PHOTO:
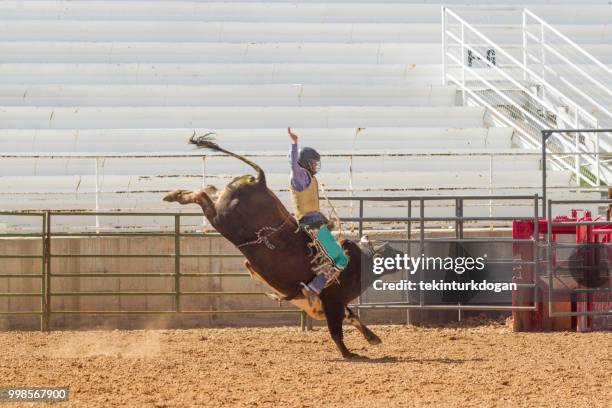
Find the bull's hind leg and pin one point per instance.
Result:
(353, 319)
(194, 197)
(334, 311)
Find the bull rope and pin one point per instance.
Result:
(263, 235)
(333, 212)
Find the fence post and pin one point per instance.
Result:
(360, 235)
(303, 320)
(177, 262)
(43, 269)
(422, 247)
(97, 174)
(490, 188)
(545, 136)
(47, 309)
(459, 250)
(408, 252)
(536, 252)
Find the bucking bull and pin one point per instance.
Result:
(252, 218)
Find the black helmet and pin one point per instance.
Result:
(306, 155)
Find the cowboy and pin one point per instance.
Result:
(304, 189)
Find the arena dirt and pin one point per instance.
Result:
(479, 366)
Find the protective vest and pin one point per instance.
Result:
(307, 200)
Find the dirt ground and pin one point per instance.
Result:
(482, 366)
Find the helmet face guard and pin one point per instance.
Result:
(315, 166)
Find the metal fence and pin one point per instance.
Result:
(411, 225)
(553, 265)
(47, 274)
(459, 221)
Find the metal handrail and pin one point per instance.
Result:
(570, 42)
(531, 138)
(514, 61)
(543, 24)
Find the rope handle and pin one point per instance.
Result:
(334, 213)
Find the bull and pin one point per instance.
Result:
(277, 252)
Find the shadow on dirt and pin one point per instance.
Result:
(394, 360)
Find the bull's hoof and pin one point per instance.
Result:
(351, 356)
(173, 196)
(374, 340)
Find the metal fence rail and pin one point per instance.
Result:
(106, 198)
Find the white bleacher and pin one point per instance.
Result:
(138, 77)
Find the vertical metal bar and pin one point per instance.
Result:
(204, 220)
(542, 60)
(458, 236)
(408, 244)
(597, 164)
(490, 188)
(422, 246)
(443, 45)
(463, 93)
(524, 27)
(461, 203)
(360, 225)
(544, 140)
(48, 271)
(360, 235)
(97, 198)
(43, 272)
(549, 264)
(577, 158)
(536, 252)
(303, 320)
(177, 262)
(457, 215)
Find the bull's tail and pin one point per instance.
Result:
(206, 141)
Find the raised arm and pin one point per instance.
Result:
(299, 176)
